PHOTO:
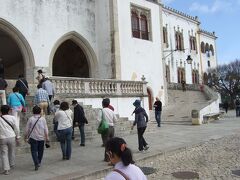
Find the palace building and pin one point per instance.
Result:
(123, 49)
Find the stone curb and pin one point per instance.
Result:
(152, 156)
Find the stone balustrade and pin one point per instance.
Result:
(88, 87)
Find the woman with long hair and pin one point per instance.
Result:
(121, 157)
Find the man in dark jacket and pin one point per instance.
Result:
(141, 119)
(22, 85)
(79, 120)
(158, 110)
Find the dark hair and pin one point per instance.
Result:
(5, 109)
(40, 71)
(39, 86)
(64, 106)
(20, 76)
(105, 102)
(118, 147)
(15, 89)
(56, 102)
(37, 110)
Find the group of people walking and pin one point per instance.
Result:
(65, 120)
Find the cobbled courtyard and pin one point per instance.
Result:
(214, 159)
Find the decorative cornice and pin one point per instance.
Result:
(212, 34)
(182, 14)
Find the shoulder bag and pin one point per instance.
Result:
(7, 122)
(103, 126)
(22, 103)
(32, 130)
(123, 175)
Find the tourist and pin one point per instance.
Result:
(41, 99)
(121, 157)
(22, 85)
(55, 108)
(237, 106)
(226, 106)
(158, 110)
(64, 119)
(40, 77)
(141, 119)
(79, 120)
(183, 85)
(110, 118)
(36, 134)
(3, 86)
(17, 103)
(9, 136)
(49, 87)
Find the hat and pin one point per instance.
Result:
(137, 103)
(74, 102)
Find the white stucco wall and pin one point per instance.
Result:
(213, 59)
(141, 57)
(122, 106)
(43, 23)
(174, 21)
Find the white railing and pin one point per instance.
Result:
(97, 87)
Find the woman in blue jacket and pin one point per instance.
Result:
(16, 102)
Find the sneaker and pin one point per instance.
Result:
(6, 172)
(82, 144)
(146, 148)
(36, 167)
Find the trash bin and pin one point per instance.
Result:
(195, 117)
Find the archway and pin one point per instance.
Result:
(70, 61)
(15, 52)
(72, 56)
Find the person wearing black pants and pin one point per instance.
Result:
(141, 119)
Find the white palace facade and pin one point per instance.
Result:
(123, 49)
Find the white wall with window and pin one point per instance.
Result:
(139, 23)
(208, 50)
(182, 37)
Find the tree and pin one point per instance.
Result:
(226, 79)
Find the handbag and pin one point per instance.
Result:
(122, 174)
(103, 126)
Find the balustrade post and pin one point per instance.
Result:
(86, 87)
(118, 89)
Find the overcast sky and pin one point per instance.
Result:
(221, 16)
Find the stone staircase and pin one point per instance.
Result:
(181, 105)
(122, 126)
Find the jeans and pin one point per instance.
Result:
(237, 111)
(37, 148)
(141, 141)
(7, 152)
(65, 137)
(82, 133)
(158, 117)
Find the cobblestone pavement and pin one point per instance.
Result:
(212, 160)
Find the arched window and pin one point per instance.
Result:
(135, 25)
(165, 35)
(179, 41)
(211, 49)
(144, 27)
(202, 47)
